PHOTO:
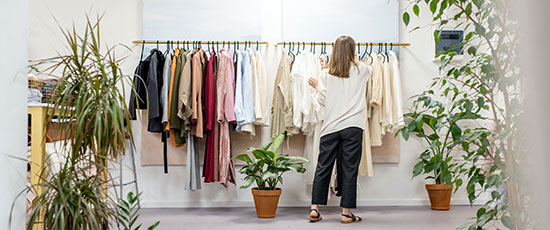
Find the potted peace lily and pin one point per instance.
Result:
(266, 170)
(443, 129)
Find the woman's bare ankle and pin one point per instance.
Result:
(346, 211)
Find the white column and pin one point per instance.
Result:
(13, 118)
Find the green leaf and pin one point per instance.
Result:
(418, 167)
(437, 36)
(458, 183)
(465, 146)
(405, 133)
(468, 9)
(480, 29)
(480, 212)
(472, 50)
(469, 36)
(480, 102)
(260, 154)
(495, 195)
(249, 181)
(152, 227)
(508, 222)
(416, 10)
(406, 18)
(245, 158)
(456, 132)
(478, 3)
(492, 180)
(433, 6)
(277, 141)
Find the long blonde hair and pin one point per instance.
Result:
(343, 55)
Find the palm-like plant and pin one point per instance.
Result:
(89, 98)
(267, 167)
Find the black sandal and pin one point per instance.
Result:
(315, 218)
(354, 219)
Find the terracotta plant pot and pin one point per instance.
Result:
(266, 202)
(440, 196)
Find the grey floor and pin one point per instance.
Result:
(379, 218)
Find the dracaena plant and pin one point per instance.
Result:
(489, 77)
(90, 98)
(267, 167)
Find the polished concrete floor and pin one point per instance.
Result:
(379, 218)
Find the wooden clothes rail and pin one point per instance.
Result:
(266, 43)
(200, 42)
(359, 43)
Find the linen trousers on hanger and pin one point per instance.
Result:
(345, 147)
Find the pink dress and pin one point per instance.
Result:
(225, 113)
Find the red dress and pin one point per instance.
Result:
(210, 121)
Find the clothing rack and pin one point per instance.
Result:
(359, 43)
(266, 43)
(201, 42)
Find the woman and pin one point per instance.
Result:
(341, 90)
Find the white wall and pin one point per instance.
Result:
(13, 118)
(391, 185)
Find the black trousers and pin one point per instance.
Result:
(345, 147)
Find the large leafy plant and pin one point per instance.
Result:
(267, 167)
(440, 126)
(90, 99)
(489, 78)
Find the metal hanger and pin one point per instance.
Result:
(387, 55)
(257, 44)
(142, 47)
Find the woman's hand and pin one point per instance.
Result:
(313, 82)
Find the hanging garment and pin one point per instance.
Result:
(139, 88)
(255, 88)
(224, 109)
(193, 173)
(387, 97)
(397, 104)
(344, 99)
(196, 103)
(282, 117)
(166, 78)
(311, 152)
(170, 86)
(244, 97)
(249, 98)
(312, 112)
(239, 117)
(365, 167)
(175, 123)
(297, 80)
(375, 101)
(210, 119)
(185, 110)
(260, 84)
(153, 83)
(216, 124)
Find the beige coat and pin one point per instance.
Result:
(282, 100)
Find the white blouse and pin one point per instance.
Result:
(344, 99)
